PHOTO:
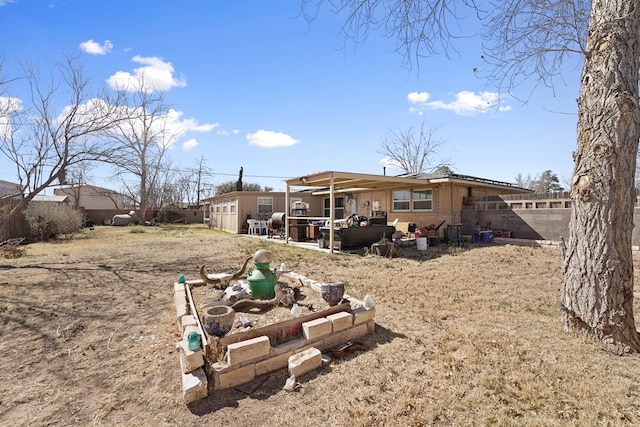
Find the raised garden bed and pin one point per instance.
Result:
(276, 340)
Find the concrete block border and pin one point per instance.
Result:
(239, 358)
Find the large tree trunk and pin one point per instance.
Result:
(597, 291)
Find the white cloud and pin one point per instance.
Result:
(95, 48)
(270, 139)
(390, 163)
(191, 124)
(418, 97)
(9, 105)
(155, 75)
(463, 103)
(222, 132)
(466, 102)
(6, 2)
(168, 128)
(189, 144)
(175, 127)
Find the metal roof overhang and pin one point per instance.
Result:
(349, 181)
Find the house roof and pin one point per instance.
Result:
(94, 187)
(49, 198)
(349, 181)
(13, 184)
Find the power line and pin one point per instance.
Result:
(251, 176)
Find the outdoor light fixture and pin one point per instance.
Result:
(303, 179)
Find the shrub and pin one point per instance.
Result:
(48, 220)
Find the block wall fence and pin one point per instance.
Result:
(528, 216)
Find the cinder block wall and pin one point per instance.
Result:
(536, 224)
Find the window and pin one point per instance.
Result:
(422, 200)
(232, 207)
(338, 207)
(416, 200)
(401, 201)
(217, 208)
(265, 205)
(224, 204)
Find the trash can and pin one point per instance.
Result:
(421, 243)
(453, 233)
(486, 236)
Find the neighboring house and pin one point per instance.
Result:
(230, 211)
(420, 199)
(10, 189)
(98, 204)
(90, 197)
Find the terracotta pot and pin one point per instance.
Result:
(218, 320)
(332, 292)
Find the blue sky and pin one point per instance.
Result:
(253, 85)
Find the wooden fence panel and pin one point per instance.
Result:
(18, 226)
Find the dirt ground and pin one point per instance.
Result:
(465, 337)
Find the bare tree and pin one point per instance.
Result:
(202, 187)
(413, 152)
(530, 39)
(143, 136)
(524, 181)
(42, 139)
(186, 188)
(164, 193)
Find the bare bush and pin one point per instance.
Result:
(48, 220)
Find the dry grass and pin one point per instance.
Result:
(465, 337)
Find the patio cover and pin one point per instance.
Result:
(331, 182)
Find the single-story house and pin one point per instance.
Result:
(98, 204)
(230, 211)
(421, 199)
(90, 197)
